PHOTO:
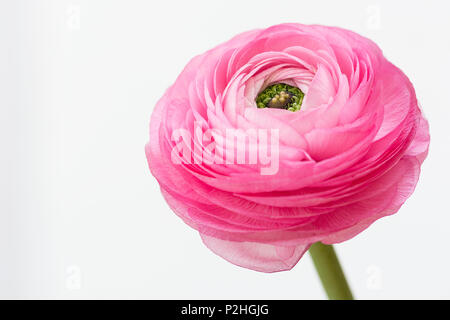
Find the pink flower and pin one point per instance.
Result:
(348, 157)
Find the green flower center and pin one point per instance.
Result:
(280, 96)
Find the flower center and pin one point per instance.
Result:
(280, 96)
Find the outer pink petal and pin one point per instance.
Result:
(256, 256)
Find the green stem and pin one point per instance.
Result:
(330, 272)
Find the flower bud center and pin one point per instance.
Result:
(280, 96)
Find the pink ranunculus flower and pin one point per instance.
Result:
(349, 156)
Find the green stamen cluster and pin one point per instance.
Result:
(280, 96)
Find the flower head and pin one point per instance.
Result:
(282, 137)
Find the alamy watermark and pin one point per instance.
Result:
(73, 277)
(258, 147)
(373, 21)
(73, 20)
(374, 277)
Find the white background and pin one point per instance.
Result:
(82, 217)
